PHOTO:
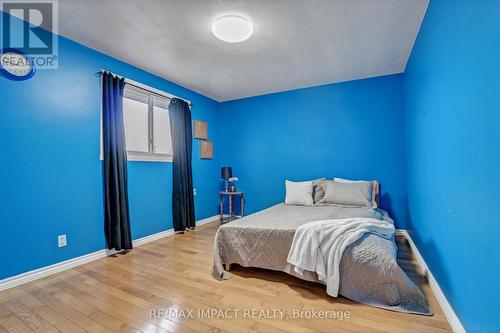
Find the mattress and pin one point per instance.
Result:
(369, 273)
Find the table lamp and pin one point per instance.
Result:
(226, 173)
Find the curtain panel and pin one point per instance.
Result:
(116, 209)
(182, 140)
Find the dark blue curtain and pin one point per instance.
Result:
(116, 212)
(182, 141)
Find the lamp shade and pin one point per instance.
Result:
(226, 172)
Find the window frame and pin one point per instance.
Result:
(150, 156)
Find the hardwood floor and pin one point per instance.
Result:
(134, 292)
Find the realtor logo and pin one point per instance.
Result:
(31, 28)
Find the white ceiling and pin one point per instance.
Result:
(295, 43)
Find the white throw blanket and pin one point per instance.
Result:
(318, 246)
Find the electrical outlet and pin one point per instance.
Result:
(61, 240)
(194, 191)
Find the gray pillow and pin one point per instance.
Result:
(375, 186)
(349, 194)
(319, 190)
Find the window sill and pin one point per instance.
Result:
(145, 157)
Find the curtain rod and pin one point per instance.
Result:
(144, 87)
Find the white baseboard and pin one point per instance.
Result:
(152, 238)
(39, 273)
(450, 315)
(42, 272)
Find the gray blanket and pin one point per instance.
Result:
(369, 273)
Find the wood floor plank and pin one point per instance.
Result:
(87, 323)
(113, 306)
(50, 315)
(16, 325)
(4, 313)
(71, 301)
(126, 293)
(28, 317)
(125, 303)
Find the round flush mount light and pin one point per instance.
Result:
(232, 28)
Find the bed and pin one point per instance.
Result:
(369, 273)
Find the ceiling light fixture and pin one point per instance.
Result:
(232, 28)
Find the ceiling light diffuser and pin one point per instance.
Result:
(232, 28)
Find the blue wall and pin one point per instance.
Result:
(452, 118)
(352, 130)
(50, 179)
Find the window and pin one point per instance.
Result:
(147, 125)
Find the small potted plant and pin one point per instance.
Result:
(233, 181)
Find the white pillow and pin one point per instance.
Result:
(299, 193)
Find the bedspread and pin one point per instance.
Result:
(369, 273)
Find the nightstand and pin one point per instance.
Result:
(231, 196)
